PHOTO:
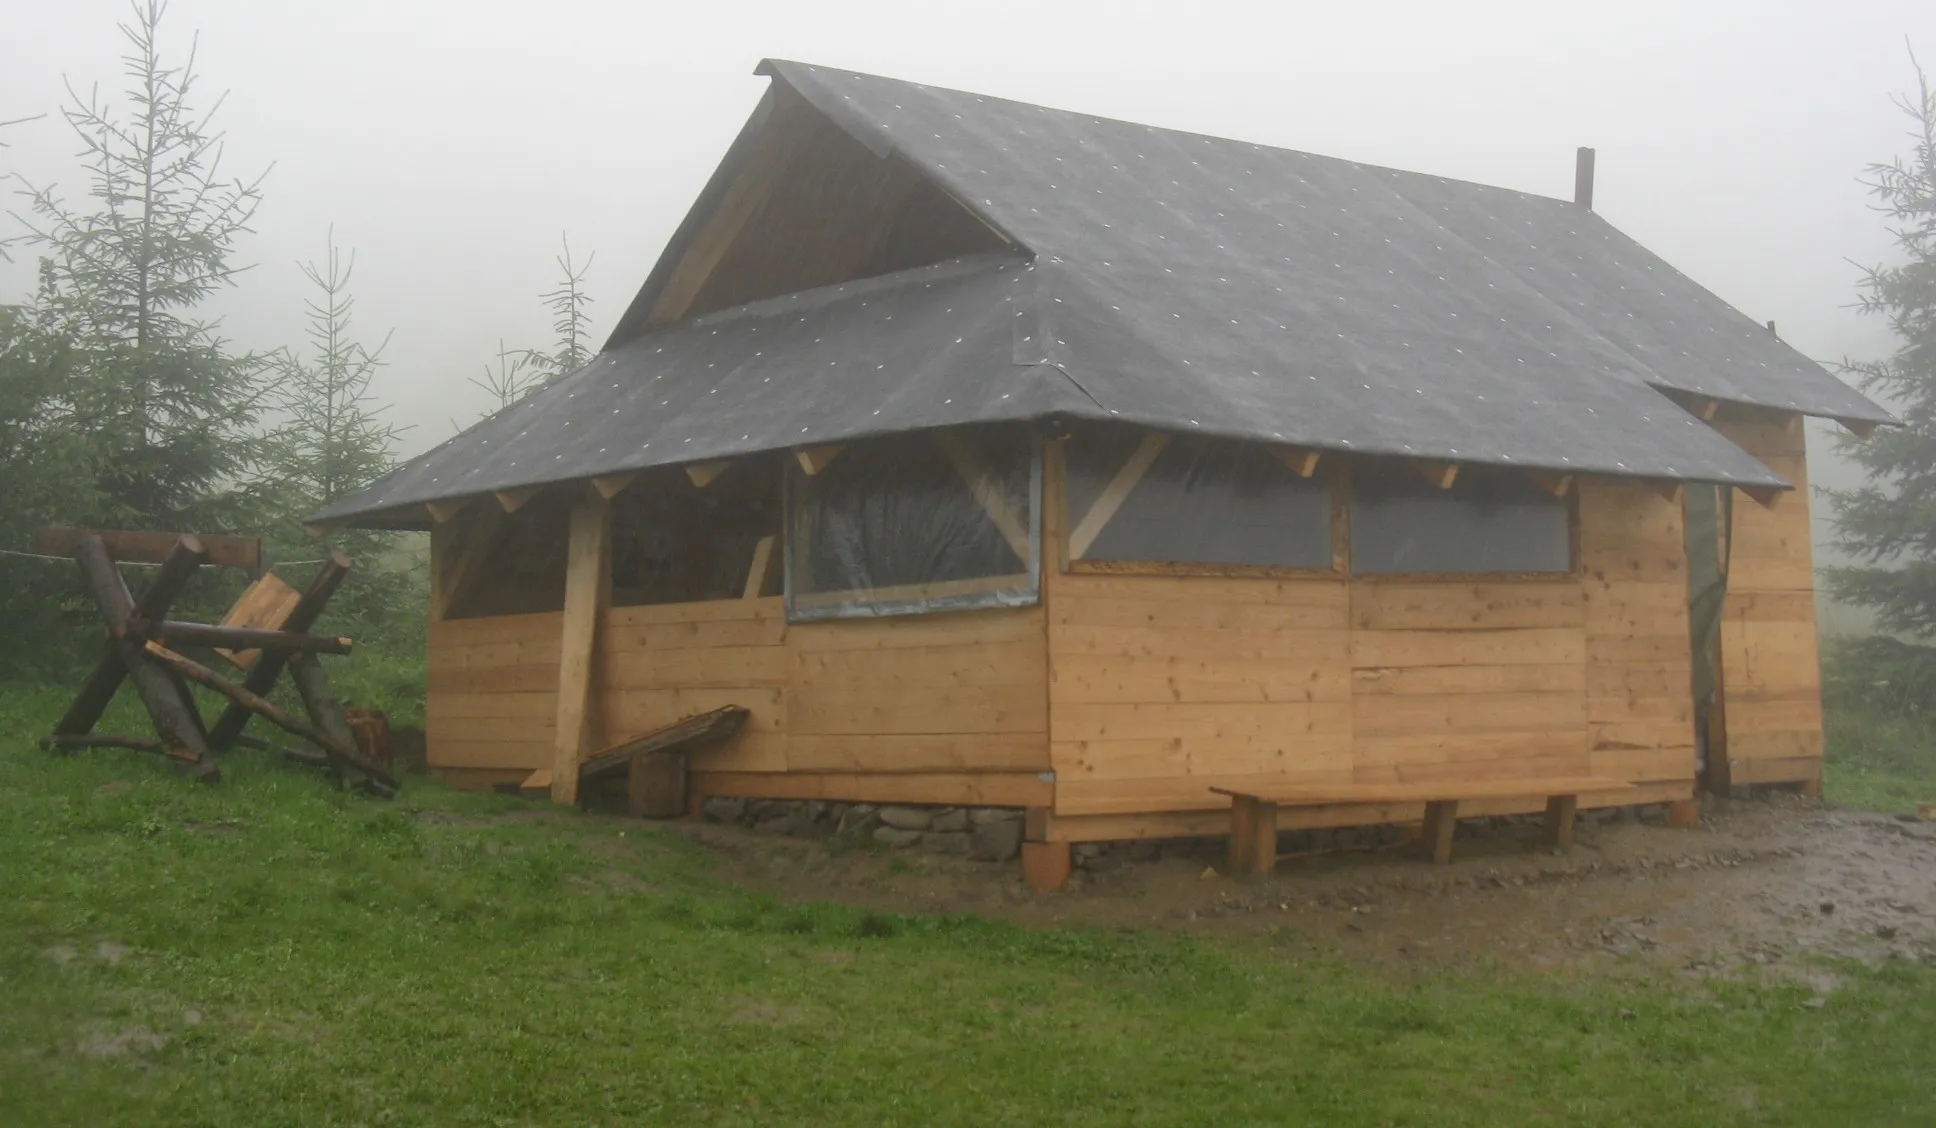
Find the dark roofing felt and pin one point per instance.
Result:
(1182, 282)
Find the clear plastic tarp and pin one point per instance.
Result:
(1149, 497)
(1490, 520)
(931, 521)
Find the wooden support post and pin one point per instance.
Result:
(1441, 819)
(1253, 835)
(172, 711)
(178, 567)
(655, 785)
(262, 676)
(1683, 813)
(588, 575)
(1046, 865)
(1560, 810)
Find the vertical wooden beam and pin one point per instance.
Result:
(588, 575)
(1046, 865)
(1253, 835)
(1441, 819)
(1341, 516)
(1559, 819)
(1055, 506)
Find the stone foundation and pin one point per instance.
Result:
(989, 834)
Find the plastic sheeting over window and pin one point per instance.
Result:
(1488, 521)
(1149, 497)
(931, 521)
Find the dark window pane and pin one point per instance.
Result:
(1202, 501)
(673, 542)
(1491, 520)
(911, 523)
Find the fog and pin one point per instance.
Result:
(451, 144)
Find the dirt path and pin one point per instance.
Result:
(1770, 882)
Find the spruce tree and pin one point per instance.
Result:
(570, 324)
(333, 439)
(1889, 523)
(121, 280)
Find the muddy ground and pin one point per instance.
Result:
(1771, 882)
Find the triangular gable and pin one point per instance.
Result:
(799, 203)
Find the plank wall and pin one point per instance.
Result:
(935, 708)
(1161, 687)
(1771, 676)
(1138, 692)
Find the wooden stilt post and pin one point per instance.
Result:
(1560, 810)
(1046, 865)
(1441, 820)
(1253, 835)
(588, 576)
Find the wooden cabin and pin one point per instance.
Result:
(997, 455)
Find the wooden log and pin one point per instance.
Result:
(690, 732)
(136, 547)
(55, 742)
(268, 710)
(176, 632)
(1560, 810)
(203, 771)
(173, 714)
(310, 756)
(262, 676)
(1253, 835)
(178, 567)
(327, 714)
(1441, 820)
(588, 583)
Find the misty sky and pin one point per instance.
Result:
(451, 144)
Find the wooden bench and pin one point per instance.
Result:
(1253, 811)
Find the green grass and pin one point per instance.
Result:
(278, 952)
(1878, 762)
